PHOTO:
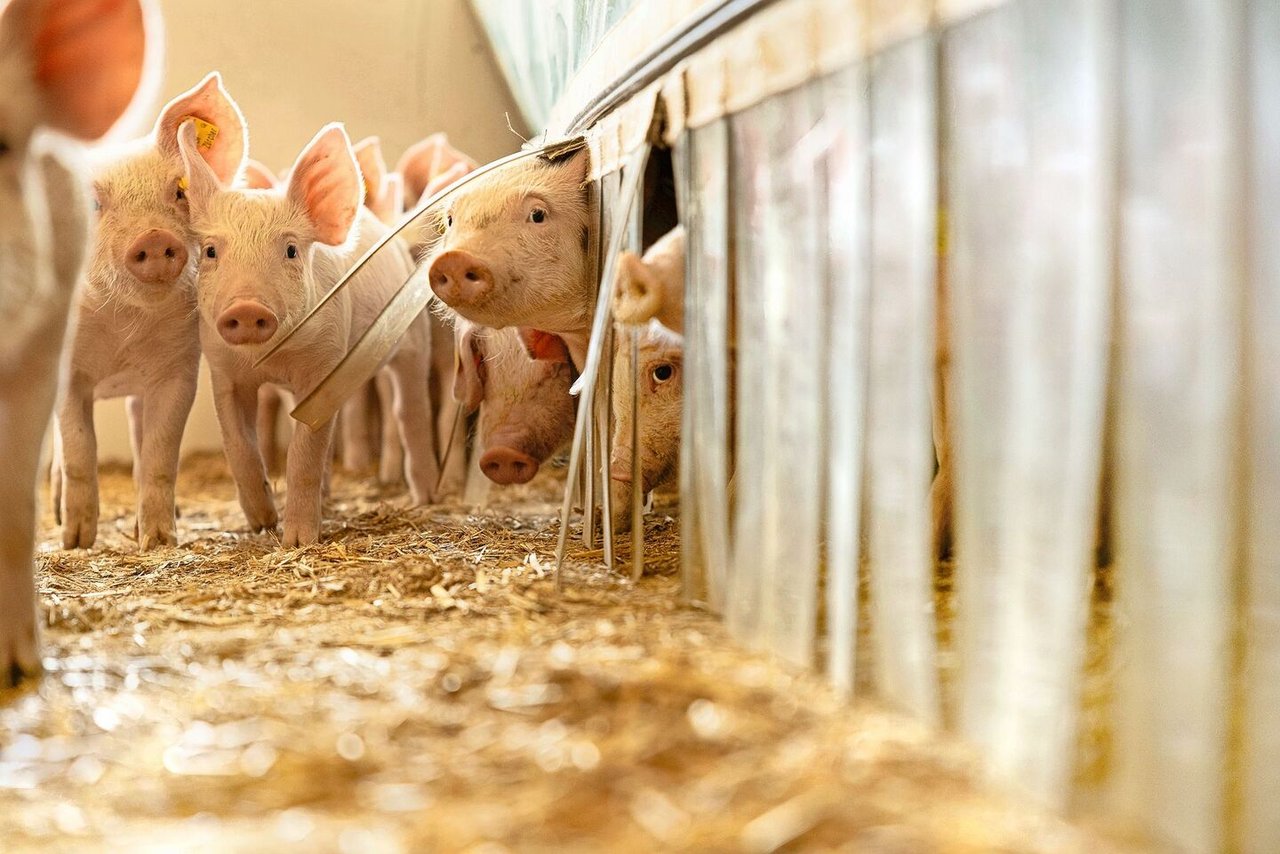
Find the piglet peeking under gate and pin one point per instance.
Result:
(265, 259)
(135, 332)
(526, 411)
(514, 251)
(660, 388)
(72, 66)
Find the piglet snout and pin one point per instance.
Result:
(247, 322)
(507, 465)
(620, 470)
(459, 278)
(157, 257)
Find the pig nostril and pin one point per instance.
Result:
(168, 253)
(472, 277)
(140, 257)
(261, 323)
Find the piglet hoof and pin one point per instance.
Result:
(265, 520)
(19, 649)
(79, 534)
(300, 534)
(157, 536)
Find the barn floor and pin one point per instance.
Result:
(415, 683)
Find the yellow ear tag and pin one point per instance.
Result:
(206, 132)
(183, 184)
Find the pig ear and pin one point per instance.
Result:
(220, 127)
(543, 346)
(325, 184)
(373, 169)
(468, 368)
(445, 178)
(202, 183)
(258, 176)
(88, 56)
(638, 296)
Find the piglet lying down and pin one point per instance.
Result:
(265, 259)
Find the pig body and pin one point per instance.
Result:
(266, 258)
(91, 62)
(514, 251)
(652, 288)
(660, 389)
(135, 332)
(526, 411)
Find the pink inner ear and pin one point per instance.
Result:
(89, 56)
(543, 346)
(225, 149)
(326, 183)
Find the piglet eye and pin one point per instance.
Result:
(4, 147)
(537, 215)
(662, 373)
(97, 204)
(291, 251)
(180, 195)
(448, 221)
(210, 252)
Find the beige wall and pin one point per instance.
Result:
(396, 68)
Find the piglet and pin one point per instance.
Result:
(660, 386)
(72, 66)
(526, 411)
(135, 332)
(514, 251)
(265, 259)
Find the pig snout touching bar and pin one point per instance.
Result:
(265, 259)
(658, 396)
(73, 67)
(526, 411)
(135, 333)
(514, 251)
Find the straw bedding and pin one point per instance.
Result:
(414, 683)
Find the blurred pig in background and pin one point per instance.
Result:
(74, 67)
(135, 332)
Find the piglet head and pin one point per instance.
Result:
(661, 357)
(144, 242)
(257, 249)
(514, 248)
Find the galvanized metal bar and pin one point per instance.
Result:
(1029, 275)
(1177, 413)
(750, 167)
(1259, 745)
(847, 214)
(900, 453)
(603, 318)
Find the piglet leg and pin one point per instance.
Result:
(357, 443)
(165, 411)
(307, 452)
(391, 463)
(417, 430)
(236, 406)
(79, 467)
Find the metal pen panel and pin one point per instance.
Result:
(844, 129)
(1260, 742)
(1177, 413)
(1030, 210)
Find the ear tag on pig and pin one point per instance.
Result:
(206, 132)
